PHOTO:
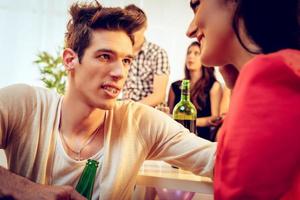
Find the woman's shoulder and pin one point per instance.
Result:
(176, 83)
(216, 85)
(279, 70)
(280, 60)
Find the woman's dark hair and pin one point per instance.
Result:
(271, 24)
(201, 89)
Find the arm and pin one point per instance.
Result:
(15, 111)
(167, 140)
(161, 69)
(224, 107)
(17, 187)
(215, 95)
(259, 152)
(159, 90)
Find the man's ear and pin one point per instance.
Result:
(70, 59)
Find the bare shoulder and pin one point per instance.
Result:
(216, 87)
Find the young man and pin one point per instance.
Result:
(149, 73)
(48, 138)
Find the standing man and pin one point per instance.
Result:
(149, 73)
(47, 138)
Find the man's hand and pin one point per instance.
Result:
(44, 192)
(19, 188)
(50, 192)
(230, 74)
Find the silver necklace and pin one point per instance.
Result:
(85, 144)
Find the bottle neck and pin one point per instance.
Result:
(86, 181)
(185, 94)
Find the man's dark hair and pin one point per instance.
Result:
(138, 14)
(87, 17)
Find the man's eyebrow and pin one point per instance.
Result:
(194, 4)
(130, 56)
(113, 52)
(106, 50)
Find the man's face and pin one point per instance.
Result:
(99, 78)
(212, 28)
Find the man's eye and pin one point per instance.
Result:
(127, 61)
(104, 57)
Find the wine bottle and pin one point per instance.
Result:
(184, 111)
(85, 184)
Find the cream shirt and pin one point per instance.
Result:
(29, 120)
(67, 171)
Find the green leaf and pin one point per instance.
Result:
(52, 71)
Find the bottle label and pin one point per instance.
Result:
(185, 92)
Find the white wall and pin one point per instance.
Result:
(31, 26)
(28, 27)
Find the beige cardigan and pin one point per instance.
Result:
(29, 119)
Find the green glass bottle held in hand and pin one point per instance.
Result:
(85, 184)
(184, 111)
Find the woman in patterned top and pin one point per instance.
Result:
(206, 92)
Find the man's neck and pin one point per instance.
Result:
(78, 118)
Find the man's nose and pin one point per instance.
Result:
(192, 29)
(118, 71)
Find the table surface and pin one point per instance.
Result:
(162, 175)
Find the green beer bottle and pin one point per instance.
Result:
(85, 184)
(184, 111)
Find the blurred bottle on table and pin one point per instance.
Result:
(184, 111)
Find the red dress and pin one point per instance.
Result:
(258, 154)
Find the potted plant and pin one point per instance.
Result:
(52, 71)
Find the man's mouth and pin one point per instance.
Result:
(112, 90)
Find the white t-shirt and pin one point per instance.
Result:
(67, 171)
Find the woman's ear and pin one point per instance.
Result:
(70, 59)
